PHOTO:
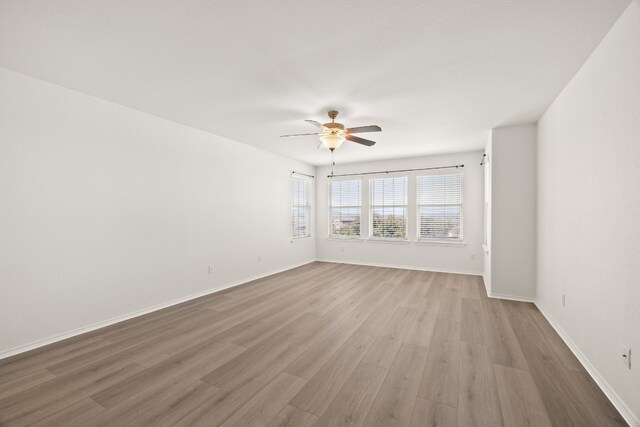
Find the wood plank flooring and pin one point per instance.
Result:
(320, 345)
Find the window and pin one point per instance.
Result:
(300, 208)
(440, 207)
(345, 202)
(389, 208)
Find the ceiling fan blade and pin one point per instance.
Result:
(359, 140)
(299, 134)
(314, 123)
(361, 129)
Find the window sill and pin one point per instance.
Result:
(345, 239)
(392, 241)
(441, 243)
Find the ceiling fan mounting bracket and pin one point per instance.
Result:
(333, 114)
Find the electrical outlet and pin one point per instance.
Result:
(210, 270)
(626, 357)
(564, 300)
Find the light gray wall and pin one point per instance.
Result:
(488, 151)
(513, 211)
(589, 210)
(106, 211)
(437, 257)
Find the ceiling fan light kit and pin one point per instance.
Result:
(333, 134)
(332, 140)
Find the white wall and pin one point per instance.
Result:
(106, 211)
(589, 209)
(436, 257)
(513, 211)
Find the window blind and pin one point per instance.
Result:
(300, 208)
(440, 207)
(345, 203)
(389, 208)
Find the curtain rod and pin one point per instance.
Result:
(300, 173)
(398, 170)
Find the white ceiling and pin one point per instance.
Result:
(434, 74)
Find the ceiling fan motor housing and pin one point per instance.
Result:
(334, 125)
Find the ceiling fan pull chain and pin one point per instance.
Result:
(333, 163)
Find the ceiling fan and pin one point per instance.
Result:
(333, 134)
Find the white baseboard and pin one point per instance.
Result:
(511, 297)
(625, 411)
(405, 267)
(59, 337)
(505, 296)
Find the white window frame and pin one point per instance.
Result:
(405, 206)
(330, 234)
(307, 207)
(454, 241)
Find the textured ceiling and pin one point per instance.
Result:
(436, 75)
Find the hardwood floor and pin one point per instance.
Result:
(324, 344)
